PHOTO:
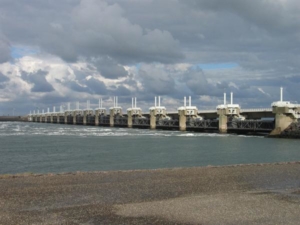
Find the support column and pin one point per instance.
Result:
(283, 119)
(74, 118)
(51, 119)
(84, 117)
(152, 119)
(222, 112)
(223, 123)
(129, 119)
(57, 119)
(182, 120)
(111, 117)
(97, 118)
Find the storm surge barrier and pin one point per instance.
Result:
(282, 119)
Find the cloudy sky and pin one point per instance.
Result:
(54, 52)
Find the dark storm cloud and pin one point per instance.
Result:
(196, 81)
(279, 17)
(86, 28)
(4, 50)
(38, 79)
(255, 34)
(92, 86)
(96, 87)
(76, 87)
(122, 91)
(109, 68)
(157, 81)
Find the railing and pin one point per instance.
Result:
(251, 125)
(61, 119)
(104, 120)
(69, 119)
(118, 120)
(90, 119)
(203, 124)
(207, 111)
(242, 111)
(79, 119)
(167, 123)
(138, 121)
(54, 119)
(256, 110)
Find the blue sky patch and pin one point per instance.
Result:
(20, 51)
(216, 66)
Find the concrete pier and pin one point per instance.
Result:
(228, 110)
(157, 112)
(222, 122)
(182, 119)
(285, 114)
(97, 113)
(85, 113)
(133, 112)
(74, 117)
(115, 112)
(187, 111)
(66, 117)
(129, 120)
(100, 111)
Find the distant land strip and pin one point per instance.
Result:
(12, 118)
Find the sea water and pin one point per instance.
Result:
(54, 148)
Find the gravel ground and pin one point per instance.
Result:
(241, 194)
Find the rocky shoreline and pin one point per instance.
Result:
(236, 194)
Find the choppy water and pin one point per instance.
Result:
(43, 148)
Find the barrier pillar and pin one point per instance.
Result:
(111, 117)
(223, 123)
(284, 117)
(97, 118)
(182, 119)
(66, 118)
(152, 119)
(74, 118)
(285, 114)
(129, 118)
(84, 117)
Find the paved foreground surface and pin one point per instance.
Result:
(248, 194)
